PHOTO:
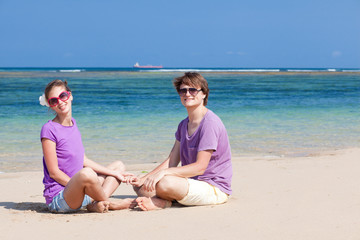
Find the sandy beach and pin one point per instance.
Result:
(316, 197)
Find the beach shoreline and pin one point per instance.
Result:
(315, 197)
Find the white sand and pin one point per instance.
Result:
(300, 198)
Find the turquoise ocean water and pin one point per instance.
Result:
(132, 115)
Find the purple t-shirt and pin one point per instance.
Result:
(210, 135)
(69, 151)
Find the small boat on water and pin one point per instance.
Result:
(137, 65)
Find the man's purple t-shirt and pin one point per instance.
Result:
(210, 135)
(69, 151)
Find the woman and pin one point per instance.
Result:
(202, 147)
(72, 180)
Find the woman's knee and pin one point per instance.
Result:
(87, 175)
(118, 166)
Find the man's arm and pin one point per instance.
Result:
(195, 169)
(172, 161)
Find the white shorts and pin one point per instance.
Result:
(203, 193)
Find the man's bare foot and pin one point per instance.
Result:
(143, 193)
(153, 203)
(123, 204)
(100, 207)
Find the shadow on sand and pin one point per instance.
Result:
(26, 206)
(41, 207)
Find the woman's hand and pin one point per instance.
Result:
(123, 176)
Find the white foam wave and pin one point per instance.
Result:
(70, 70)
(312, 70)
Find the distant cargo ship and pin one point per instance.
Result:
(137, 65)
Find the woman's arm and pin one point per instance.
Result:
(51, 161)
(99, 169)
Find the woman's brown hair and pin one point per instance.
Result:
(56, 83)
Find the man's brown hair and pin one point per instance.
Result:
(193, 79)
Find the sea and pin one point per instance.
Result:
(132, 114)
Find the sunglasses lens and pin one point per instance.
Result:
(53, 101)
(183, 91)
(64, 96)
(193, 91)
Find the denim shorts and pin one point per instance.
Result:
(59, 205)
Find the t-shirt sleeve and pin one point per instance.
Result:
(47, 132)
(209, 137)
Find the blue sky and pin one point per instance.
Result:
(187, 33)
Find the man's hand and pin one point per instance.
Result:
(151, 181)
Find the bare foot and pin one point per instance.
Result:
(100, 207)
(123, 204)
(153, 203)
(143, 193)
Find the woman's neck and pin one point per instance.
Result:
(63, 120)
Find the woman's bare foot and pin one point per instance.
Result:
(123, 204)
(100, 207)
(153, 203)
